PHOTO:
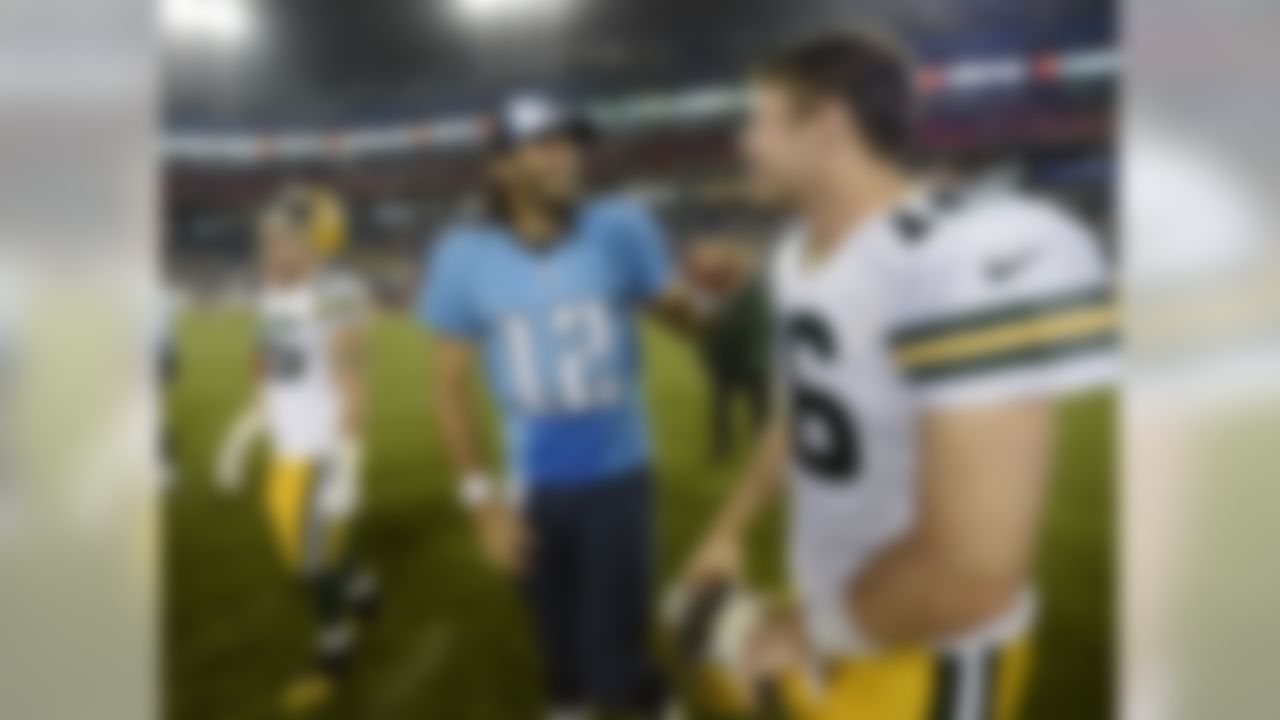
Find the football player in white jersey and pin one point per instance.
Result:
(309, 401)
(922, 336)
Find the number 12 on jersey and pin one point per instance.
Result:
(574, 371)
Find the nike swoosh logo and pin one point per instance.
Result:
(1001, 269)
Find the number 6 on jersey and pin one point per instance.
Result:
(824, 433)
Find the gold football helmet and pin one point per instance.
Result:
(316, 211)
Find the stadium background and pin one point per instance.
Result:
(385, 100)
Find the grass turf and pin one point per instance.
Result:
(452, 641)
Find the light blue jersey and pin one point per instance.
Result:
(557, 328)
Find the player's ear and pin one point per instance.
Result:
(836, 122)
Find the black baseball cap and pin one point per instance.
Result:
(528, 117)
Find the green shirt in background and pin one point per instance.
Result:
(736, 346)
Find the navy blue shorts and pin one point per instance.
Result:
(590, 588)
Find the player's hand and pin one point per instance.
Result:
(227, 474)
(778, 646)
(715, 267)
(504, 539)
(229, 466)
(716, 562)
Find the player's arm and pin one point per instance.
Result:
(242, 433)
(502, 535)
(712, 271)
(347, 312)
(982, 485)
(718, 558)
(347, 352)
(448, 308)
(1005, 322)
(649, 276)
(453, 370)
(681, 307)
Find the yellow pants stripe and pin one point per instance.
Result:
(1012, 680)
(916, 685)
(306, 541)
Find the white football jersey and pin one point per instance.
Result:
(945, 301)
(297, 327)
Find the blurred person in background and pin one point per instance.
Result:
(548, 286)
(170, 304)
(923, 337)
(164, 318)
(734, 343)
(310, 401)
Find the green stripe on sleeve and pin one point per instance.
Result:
(1097, 343)
(992, 317)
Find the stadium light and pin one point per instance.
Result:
(489, 12)
(223, 22)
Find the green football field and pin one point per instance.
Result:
(451, 642)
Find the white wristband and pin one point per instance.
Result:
(475, 490)
(834, 632)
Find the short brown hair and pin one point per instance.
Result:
(866, 72)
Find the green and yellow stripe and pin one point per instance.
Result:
(1008, 337)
